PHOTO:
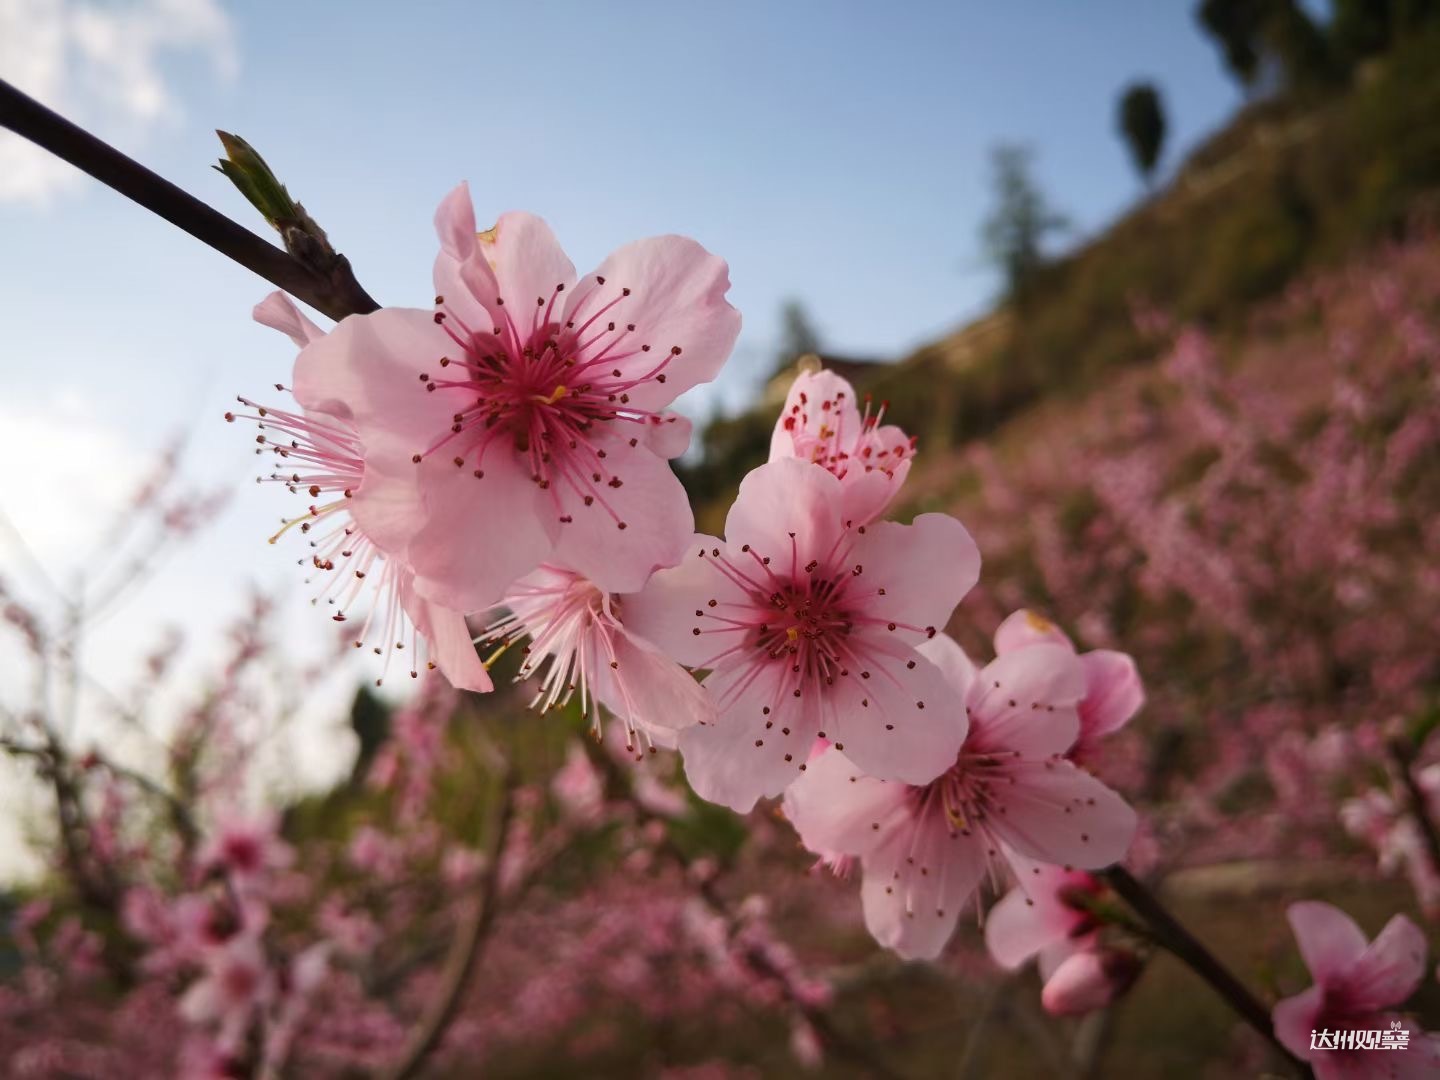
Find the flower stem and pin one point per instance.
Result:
(336, 294)
(1170, 935)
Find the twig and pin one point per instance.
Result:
(469, 942)
(337, 294)
(841, 1045)
(1184, 946)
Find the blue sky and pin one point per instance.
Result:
(833, 152)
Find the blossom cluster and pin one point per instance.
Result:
(506, 460)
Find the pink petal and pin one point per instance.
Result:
(1016, 929)
(279, 312)
(1025, 700)
(650, 689)
(1034, 916)
(785, 499)
(959, 670)
(628, 531)
(836, 808)
(1329, 940)
(1023, 627)
(720, 771)
(478, 536)
(1088, 981)
(1113, 692)
(668, 434)
(1295, 1017)
(452, 648)
(1390, 969)
(368, 369)
(738, 759)
(388, 507)
(868, 494)
(677, 299)
(455, 223)
(528, 264)
(1058, 813)
(805, 411)
(903, 722)
(664, 611)
(917, 884)
(463, 279)
(925, 568)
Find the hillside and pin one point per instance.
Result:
(1291, 184)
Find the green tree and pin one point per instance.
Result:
(1016, 231)
(1269, 37)
(1142, 123)
(798, 336)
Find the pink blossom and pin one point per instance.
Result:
(1050, 919)
(1357, 984)
(357, 540)
(578, 639)
(236, 983)
(1090, 980)
(1113, 691)
(820, 423)
(247, 848)
(526, 411)
(808, 622)
(577, 786)
(1009, 791)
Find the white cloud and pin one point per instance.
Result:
(98, 63)
(76, 472)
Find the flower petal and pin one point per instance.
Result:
(452, 648)
(1329, 940)
(478, 536)
(279, 312)
(664, 612)
(748, 752)
(1390, 968)
(1022, 628)
(1295, 1018)
(959, 670)
(1058, 813)
(639, 520)
(838, 810)
(819, 411)
(1032, 917)
(1026, 700)
(1113, 692)
(788, 511)
(894, 714)
(676, 301)
(925, 568)
(368, 369)
(649, 689)
(528, 264)
(668, 434)
(917, 884)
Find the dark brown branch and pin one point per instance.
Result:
(1168, 933)
(337, 293)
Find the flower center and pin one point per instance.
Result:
(545, 387)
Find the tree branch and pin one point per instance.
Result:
(465, 949)
(1184, 946)
(337, 293)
